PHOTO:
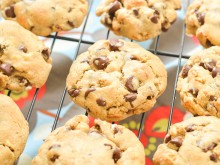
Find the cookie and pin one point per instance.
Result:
(43, 17)
(24, 59)
(13, 131)
(202, 21)
(115, 79)
(199, 83)
(138, 19)
(193, 141)
(104, 143)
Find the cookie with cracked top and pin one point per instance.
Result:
(24, 59)
(13, 131)
(43, 17)
(193, 141)
(138, 19)
(199, 83)
(104, 143)
(202, 20)
(115, 79)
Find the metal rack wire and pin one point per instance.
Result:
(80, 41)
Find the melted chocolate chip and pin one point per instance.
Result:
(101, 62)
(136, 12)
(163, 26)
(54, 146)
(55, 156)
(115, 44)
(208, 43)
(200, 17)
(97, 127)
(6, 68)
(213, 157)
(194, 92)
(167, 138)
(116, 130)
(130, 97)
(209, 65)
(89, 91)
(10, 12)
(70, 9)
(115, 6)
(71, 24)
(116, 155)
(46, 53)
(101, 102)
(212, 98)
(155, 17)
(215, 72)
(74, 92)
(150, 97)
(129, 84)
(177, 141)
(210, 147)
(185, 70)
(108, 145)
(189, 128)
(133, 58)
(23, 48)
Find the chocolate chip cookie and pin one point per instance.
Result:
(193, 141)
(43, 17)
(104, 143)
(24, 59)
(199, 83)
(13, 131)
(115, 79)
(202, 20)
(138, 19)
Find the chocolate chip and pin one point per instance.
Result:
(213, 157)
(55, 156)
(116, 130)
(54, 146)
(98, 127)
(107, 21)
(200, 17)
(101, 102)
(24, 81)
(210, 147)
(194, 92)
(185, 70)
(155, 17)
(163, 26)
(208, 43)
(46, 53)
(9, 12)
(23, 48)
(74, 92)
(31, 28)
(7, 68)
(115, 44)
(130, 97)
(130, 84)
(209, 65)
(215, 72)
(133, 58)
(114, 7)
(189, 128)
(2, 48)
(71, 24)
(116, 155)
(101, 62)
(108, 145)
(150, 97)
(136, 12)
(89, 91)
(212, 98)
(167, 138)
(177, 141)
(70, 9)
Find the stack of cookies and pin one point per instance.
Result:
(196, 140)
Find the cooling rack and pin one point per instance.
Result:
(79, 41)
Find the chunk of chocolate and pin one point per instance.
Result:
(114, 7)
(213, 157)
(89, 91)
(9, 12)
(185, 70)
(101, 62)
(130, 97)
(177, 141)
(54, 157)
(194, 92)
(71, 24)
(46, 53)
(208, 65)
(215, 72)
(212, 98)
(136, 12)
(132, 84)
(210, 147)
(115, 44)
(74, 92)
(6, 68)
(23, 48)
(101, 102)
(208, 43)
(200, 17)
(116, 155)
(167, 138)
(189, 128)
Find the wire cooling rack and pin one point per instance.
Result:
(179, 56)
